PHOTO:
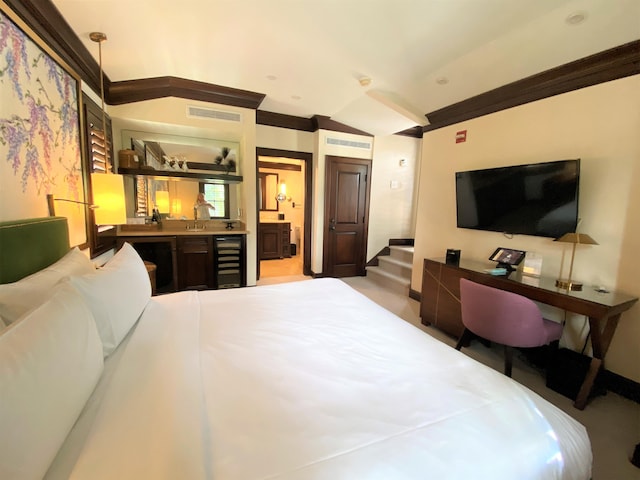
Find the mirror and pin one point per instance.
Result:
(201, 155)
(268, 191)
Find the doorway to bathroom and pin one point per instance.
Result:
(284, 180)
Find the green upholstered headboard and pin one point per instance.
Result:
(29, 245)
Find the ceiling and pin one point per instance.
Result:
(312, 57)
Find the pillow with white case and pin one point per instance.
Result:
(19, 297)
(116, 294)
(50, 362)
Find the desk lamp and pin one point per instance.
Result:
(575, 239)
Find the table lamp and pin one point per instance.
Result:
(575, 239)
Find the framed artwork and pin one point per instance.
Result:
(40, 131)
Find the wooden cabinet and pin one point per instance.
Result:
(274, 240)
(195, 262)
(440, 301)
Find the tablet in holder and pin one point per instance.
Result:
(507, 258)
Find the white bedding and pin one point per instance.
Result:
(311, 380)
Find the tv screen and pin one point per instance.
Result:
(539, 199)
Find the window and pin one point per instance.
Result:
(218, 196)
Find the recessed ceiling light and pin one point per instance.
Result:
(365, 81)
(442, 80)
(296, 97)
(271, 77)
(576, 18)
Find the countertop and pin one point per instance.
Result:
(181, 227)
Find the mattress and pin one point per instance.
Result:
(310, 380)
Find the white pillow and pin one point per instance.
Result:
(116, 294)
(50, 362)
(19, 297)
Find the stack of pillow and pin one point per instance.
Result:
(61, 323)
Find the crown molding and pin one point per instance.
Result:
(130, 91)
(612, 64)
(322, 122)
(272, 119)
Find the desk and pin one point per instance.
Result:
(440, 305)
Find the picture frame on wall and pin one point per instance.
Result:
(40, 131)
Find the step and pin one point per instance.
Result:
(389, 280)
(402, 252)
(395, 266)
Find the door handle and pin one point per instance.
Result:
(332, 224)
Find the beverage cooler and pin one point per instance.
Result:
(230, 261)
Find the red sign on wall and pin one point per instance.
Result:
(461, 136)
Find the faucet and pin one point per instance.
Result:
(195, 220)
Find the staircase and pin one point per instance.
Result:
(394, 270)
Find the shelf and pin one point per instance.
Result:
(200, 176)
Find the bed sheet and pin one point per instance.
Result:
(311, 380)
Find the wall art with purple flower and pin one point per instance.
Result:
(40, 150)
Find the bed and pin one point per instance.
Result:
(305, 380)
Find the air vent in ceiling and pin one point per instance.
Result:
(211, 114)
(348, 143)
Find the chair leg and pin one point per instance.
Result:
(465, 338)
(508, 360)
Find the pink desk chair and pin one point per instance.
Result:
(505, 318)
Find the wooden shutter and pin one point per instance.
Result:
(98, 156)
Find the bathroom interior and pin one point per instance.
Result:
(281, 197)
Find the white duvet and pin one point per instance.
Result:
(311, 380)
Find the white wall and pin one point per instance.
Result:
(284, 139)
(392, 206)
(600, 125)
(392, 212)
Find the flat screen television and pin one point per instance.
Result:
(539, 199)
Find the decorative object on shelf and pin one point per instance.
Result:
(227, 159)
(127, 159)
(575, 239)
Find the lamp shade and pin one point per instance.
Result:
(108, 196)
(577, 238)
(162, 201)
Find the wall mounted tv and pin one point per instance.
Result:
(539, 199)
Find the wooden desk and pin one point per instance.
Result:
(440, 305)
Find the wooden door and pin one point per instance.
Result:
(346, 217)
